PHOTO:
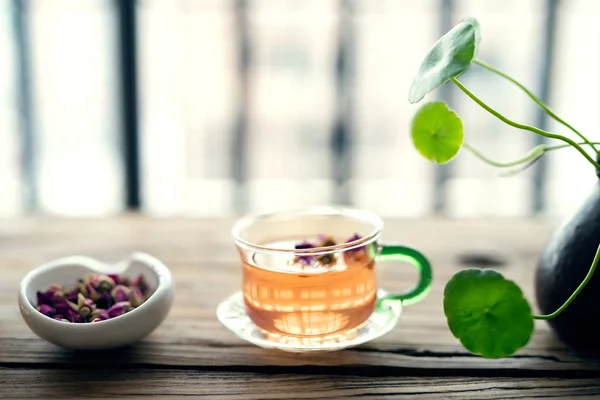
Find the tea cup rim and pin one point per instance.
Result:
(351, 212)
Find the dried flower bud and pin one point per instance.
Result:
(93, 298)
(304, 259)
(120, 293)
(88, 278)
(72, 295)
(355, 253)
(82, 288)
(54, 293)
(136, 298)
(85, 312)
(92, 293)
(140, 283)
(73, 306)
(85, 306)
(61, 307)
(104, 301)
(326, 241)
(46, 310)
(57, 290)
(353, 238)
(99, 313)
(327, 259)
(102, 283)
(72, 316)
(304, 245)
(120, 279)
(119, 309)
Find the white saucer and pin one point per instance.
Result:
(232, 313)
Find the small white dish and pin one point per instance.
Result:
(233, 315)
(112, 333)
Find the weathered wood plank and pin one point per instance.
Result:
(32, 383)
(205, 265)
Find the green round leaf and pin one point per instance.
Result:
(449, 57)
(437, 132)
(487, 313)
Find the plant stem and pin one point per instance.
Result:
(562, 146)
(536, 100)
(536, 152)
(533, 154)
(576, 292)
(522, 126)
(520, 168)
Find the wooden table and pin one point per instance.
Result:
(191, 354)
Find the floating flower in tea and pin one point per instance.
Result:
(327, 260)
(304, 259)
(94, 298)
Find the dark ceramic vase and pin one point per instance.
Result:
(563, 264)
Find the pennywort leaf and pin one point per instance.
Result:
(487, 313)
(437, 132)
(449, 57)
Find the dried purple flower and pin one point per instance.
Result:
(92, 293)
(120, 293)
(72, 295)
(84, 307)
(93, 298)
(304, 259)
(327, 259)
(304, 245)
(46, 310)
(140, 283)
(136, 298)
(353, 238)
(61, 307)
(72, 316)
(99, 313)
(82, 288)
(119, 309)
(102, 283)
(326, 241)
(54, 292)
(120, 279)
(104, 301)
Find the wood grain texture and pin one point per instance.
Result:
(42, 384)
(206, 269)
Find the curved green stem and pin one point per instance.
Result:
(520, 168)
(536, 100)
(522, 126)
(576, 292)
(562, 146)
(533, 154)
(536, 152)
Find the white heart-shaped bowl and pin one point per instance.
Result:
(112, 333)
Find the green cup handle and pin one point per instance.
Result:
(394, 252)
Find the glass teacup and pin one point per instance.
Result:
(311, 273)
